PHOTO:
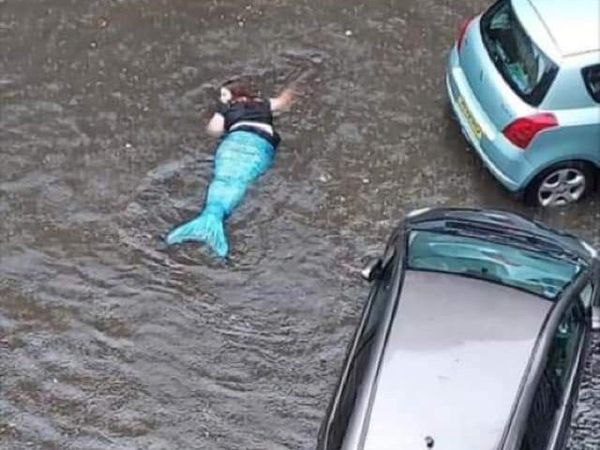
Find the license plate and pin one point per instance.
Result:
(473, 125)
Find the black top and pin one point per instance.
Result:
(256, 111)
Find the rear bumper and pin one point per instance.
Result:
(507, 163)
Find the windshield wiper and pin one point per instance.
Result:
(511, 236)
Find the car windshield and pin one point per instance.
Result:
(522, 64)
(531, 271)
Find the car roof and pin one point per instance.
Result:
(453, 363)
(573, 26)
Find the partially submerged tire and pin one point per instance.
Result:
(561, 184)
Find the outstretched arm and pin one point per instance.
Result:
(284, 100)
(216, 125)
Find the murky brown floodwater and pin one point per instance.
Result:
(107, 342)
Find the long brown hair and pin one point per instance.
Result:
(240, 91)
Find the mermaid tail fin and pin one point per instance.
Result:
(207, 227)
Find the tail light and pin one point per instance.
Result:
(521, 131)
(462, 30)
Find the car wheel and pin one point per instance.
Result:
(561, 184)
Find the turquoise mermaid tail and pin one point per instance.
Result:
(241, 157)
(207, 227)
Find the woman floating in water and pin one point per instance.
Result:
(245, 152)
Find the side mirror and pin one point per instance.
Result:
(371, 269)
(595, 318)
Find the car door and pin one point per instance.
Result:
(586, 298)
(550, 412)
(591, 136)
(573, 99)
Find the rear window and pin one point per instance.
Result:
(512, 266)
(522, 64)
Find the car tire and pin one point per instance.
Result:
(561, 184)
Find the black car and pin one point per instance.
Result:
(473, 337)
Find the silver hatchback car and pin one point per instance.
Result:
(472, 338)
(523, 80)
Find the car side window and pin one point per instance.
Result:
(553, 386)
(359, 362)
(587, 296)
(591, 78)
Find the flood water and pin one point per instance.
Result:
(108, 341)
